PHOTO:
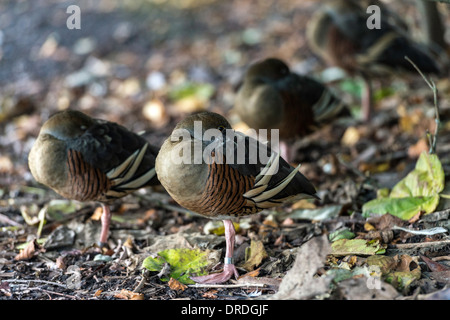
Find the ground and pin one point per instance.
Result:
(145, 65)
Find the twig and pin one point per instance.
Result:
(49, 292)
(36, 281)
(419, 244)
(246, 285)
(5, 219)
(432, 140)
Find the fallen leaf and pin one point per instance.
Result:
(343, 233)
(97, 215)
(210, 294)
(344, 247)
(385, 263)
(300, 281)
(176, 285)
(253, 273)
(129, 295)
(98, 293)
(303, 204)
(31, 249)
(257, 254)
(433, 265)
(404, 208)
(416, 193)
(60, 264)
(183, 263)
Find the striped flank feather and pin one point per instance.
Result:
(89, 183)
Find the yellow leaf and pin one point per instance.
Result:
(256, 256)
(368, 227)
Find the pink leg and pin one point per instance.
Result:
(106, 219)
(229, 269)
(367, 103)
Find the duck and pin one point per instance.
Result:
(219, 173)
(86, 159)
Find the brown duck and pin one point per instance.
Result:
(273, 97)
(88, 159)
(338, 33)
(219, 177)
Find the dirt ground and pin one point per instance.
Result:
(127, 64)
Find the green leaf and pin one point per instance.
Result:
(343, 233)
(417, 192)
(404, 208)
(183, 263)
(363, 247)
(426, 179)
(403, 279)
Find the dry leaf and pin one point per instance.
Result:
(253, 273)
(128, 243)
(303, 204)
(433, 265)
(98, 293)
(60, 264)
(211, 294)
(279, 241)
(29, 251)
(129, 295)
(257, 255)
(176, 285)
(416, 217)
(97, 215)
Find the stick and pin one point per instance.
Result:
(432, 140)
(200, 285)
(420, 244)
(5, 219)
(37, 281)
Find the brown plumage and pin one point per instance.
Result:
(338, 33)
(273, 97)
(228, 180)
(88, 159)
